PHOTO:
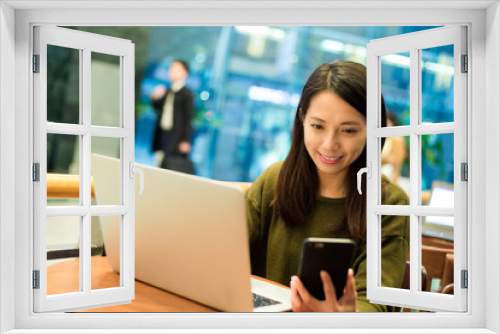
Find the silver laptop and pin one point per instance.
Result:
(442, 195)
(190, 239)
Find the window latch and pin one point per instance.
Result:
(368, 171)
(133, 170)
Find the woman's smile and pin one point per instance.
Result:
(329, 159)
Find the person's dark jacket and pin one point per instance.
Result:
(181, 130)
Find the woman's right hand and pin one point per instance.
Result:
(303, 301)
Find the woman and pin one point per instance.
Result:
(313, 193)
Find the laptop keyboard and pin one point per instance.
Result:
(259, 301)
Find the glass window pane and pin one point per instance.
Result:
(63, 246)
(395, 161)
(63, 170)
(395, 82)
(438, 252)
(63, 85)
(105, 78)
(394, 252)
(437, 84)
(437, 170)
(107, 229)
(109, 147)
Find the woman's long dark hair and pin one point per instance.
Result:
(298, 183)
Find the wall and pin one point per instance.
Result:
(492, 163)
(7, 19)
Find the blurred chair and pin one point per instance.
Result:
(439, 264)
(406, 283)
(449, 289)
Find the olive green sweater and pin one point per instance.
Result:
(275, 248)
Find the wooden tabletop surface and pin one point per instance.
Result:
(63, 277)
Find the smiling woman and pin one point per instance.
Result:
(313, 194)
(335, 137)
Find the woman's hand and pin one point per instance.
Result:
(303, 301)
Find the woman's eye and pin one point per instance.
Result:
(350, 131)
(316, 126)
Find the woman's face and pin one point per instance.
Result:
(334, 134)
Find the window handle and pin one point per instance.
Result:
(133, 170)
(368, 171)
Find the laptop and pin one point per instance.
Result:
(442, 195)
(190, 239)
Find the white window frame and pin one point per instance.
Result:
(85, 130)
(483, 20)
(413, 44)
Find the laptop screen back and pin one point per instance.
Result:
(442, 195)
(191, 236)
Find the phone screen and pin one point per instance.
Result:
(331, 254)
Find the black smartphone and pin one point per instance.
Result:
(334, 255)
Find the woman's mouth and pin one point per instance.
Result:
(328, 159)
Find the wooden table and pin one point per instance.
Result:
(63, 277)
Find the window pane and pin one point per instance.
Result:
(437, 84)
(395, 161)
(63, 170)
(105, 78)
(63, 246)
(395, 81)
(394, 252)
(108, 228)
(63, 85)
(109, 147)
(437, 251)
(437, 170)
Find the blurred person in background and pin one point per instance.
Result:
(393, 155)
(174, 108)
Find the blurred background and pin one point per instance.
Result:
(246, 82)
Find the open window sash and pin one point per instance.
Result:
(414, 43)
(83, 130)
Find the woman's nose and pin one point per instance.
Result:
(331, 143)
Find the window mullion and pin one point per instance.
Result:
(85, 185)
(415, 172)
